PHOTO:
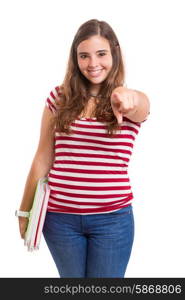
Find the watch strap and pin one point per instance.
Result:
(21, 213)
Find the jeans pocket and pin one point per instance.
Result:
(122, 211)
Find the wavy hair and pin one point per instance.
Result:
(74, 91)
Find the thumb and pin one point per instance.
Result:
(119, 118)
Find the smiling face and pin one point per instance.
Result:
(94, 60)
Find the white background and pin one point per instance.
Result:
(36, 36)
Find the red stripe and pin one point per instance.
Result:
(41, 211)
(50, 104)
(89, 203)
(91, 163)
(130, 129)
(57, 88)
(89, 171)
(88, 210)
(103, 127)
(138, 124)
(86, 188)
(52, 95)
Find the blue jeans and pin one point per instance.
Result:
(89, 246)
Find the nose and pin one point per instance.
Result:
(93, 62)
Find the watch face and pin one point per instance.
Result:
(17, 213)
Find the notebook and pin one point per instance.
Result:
(37, 215)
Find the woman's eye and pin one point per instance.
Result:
(83, 56)
(102, 53)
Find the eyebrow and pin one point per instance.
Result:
(103, 50)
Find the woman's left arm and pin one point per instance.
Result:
(129, 103)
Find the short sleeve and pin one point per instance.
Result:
(51, 99)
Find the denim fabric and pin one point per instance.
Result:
(90, 246)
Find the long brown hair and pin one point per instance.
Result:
(74, 89)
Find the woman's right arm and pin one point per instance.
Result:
(40, 166)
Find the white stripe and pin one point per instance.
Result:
(92, 200)
(92, 159)
(129, 124)
(124, 123)
(89, 192)
(85, 151)
(73, 205)
(89, 167)
(95, 130)
(88, 184)
(98, 138)
(108, 147)
(84, 143)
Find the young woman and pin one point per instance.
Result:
(88, 129)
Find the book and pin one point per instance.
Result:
(37, 215)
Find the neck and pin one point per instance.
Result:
(94, 90)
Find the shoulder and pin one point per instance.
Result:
(54, 93)
(53, 97)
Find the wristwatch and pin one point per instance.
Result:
(21, 213)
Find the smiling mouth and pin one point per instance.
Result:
(95, 73)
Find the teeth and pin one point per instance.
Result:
(95, 72)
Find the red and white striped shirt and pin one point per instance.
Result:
(89, 173)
